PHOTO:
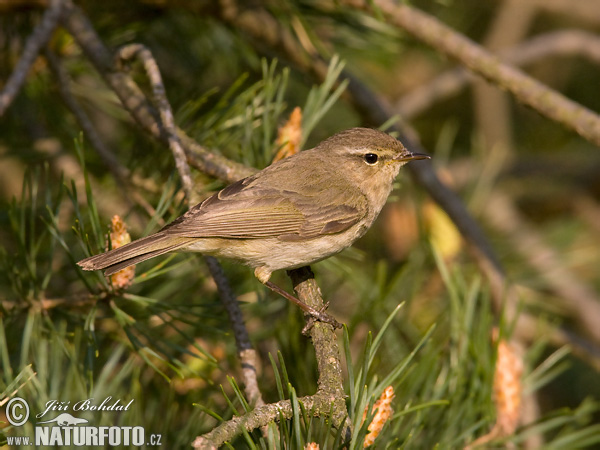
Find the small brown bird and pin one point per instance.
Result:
(295, 212)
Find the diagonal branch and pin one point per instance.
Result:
(526, 89)
(135, 102)
(38, 40)
(249, 359)
(132, 51)
(449, 83)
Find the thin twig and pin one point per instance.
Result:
(136, 103)
(247, 355)
(526, 89)
(36, 41)
(161, 102)
(450, 83)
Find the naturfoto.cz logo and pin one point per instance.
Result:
(66, 429)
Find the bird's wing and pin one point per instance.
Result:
(247, 210)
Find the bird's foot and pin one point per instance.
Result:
(314, 315)
(319, 316)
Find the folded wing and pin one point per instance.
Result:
(247, 211)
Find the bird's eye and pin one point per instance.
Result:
(371, 158)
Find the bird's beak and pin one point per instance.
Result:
(408, 156)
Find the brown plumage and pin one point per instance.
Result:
(297, 211)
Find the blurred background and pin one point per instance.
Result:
(233, 77)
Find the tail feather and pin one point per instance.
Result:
(134, 252)
(137, 259)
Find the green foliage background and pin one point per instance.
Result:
(166, 341)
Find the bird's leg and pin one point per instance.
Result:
(317, 315)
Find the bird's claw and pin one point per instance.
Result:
(319, 316)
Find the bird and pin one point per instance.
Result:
(297, 211)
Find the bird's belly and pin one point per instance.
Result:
(274, 253)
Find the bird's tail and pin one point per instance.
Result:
(134, 252)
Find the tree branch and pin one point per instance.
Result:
(451, 82)
(38, 40)
(249, 359)
(526, 89)
(134, 101)
(132, 51)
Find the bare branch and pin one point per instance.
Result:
(527, 90)
(134, 101)
(38, 40)
(553, 44)
(248, 356)
(166, 114)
